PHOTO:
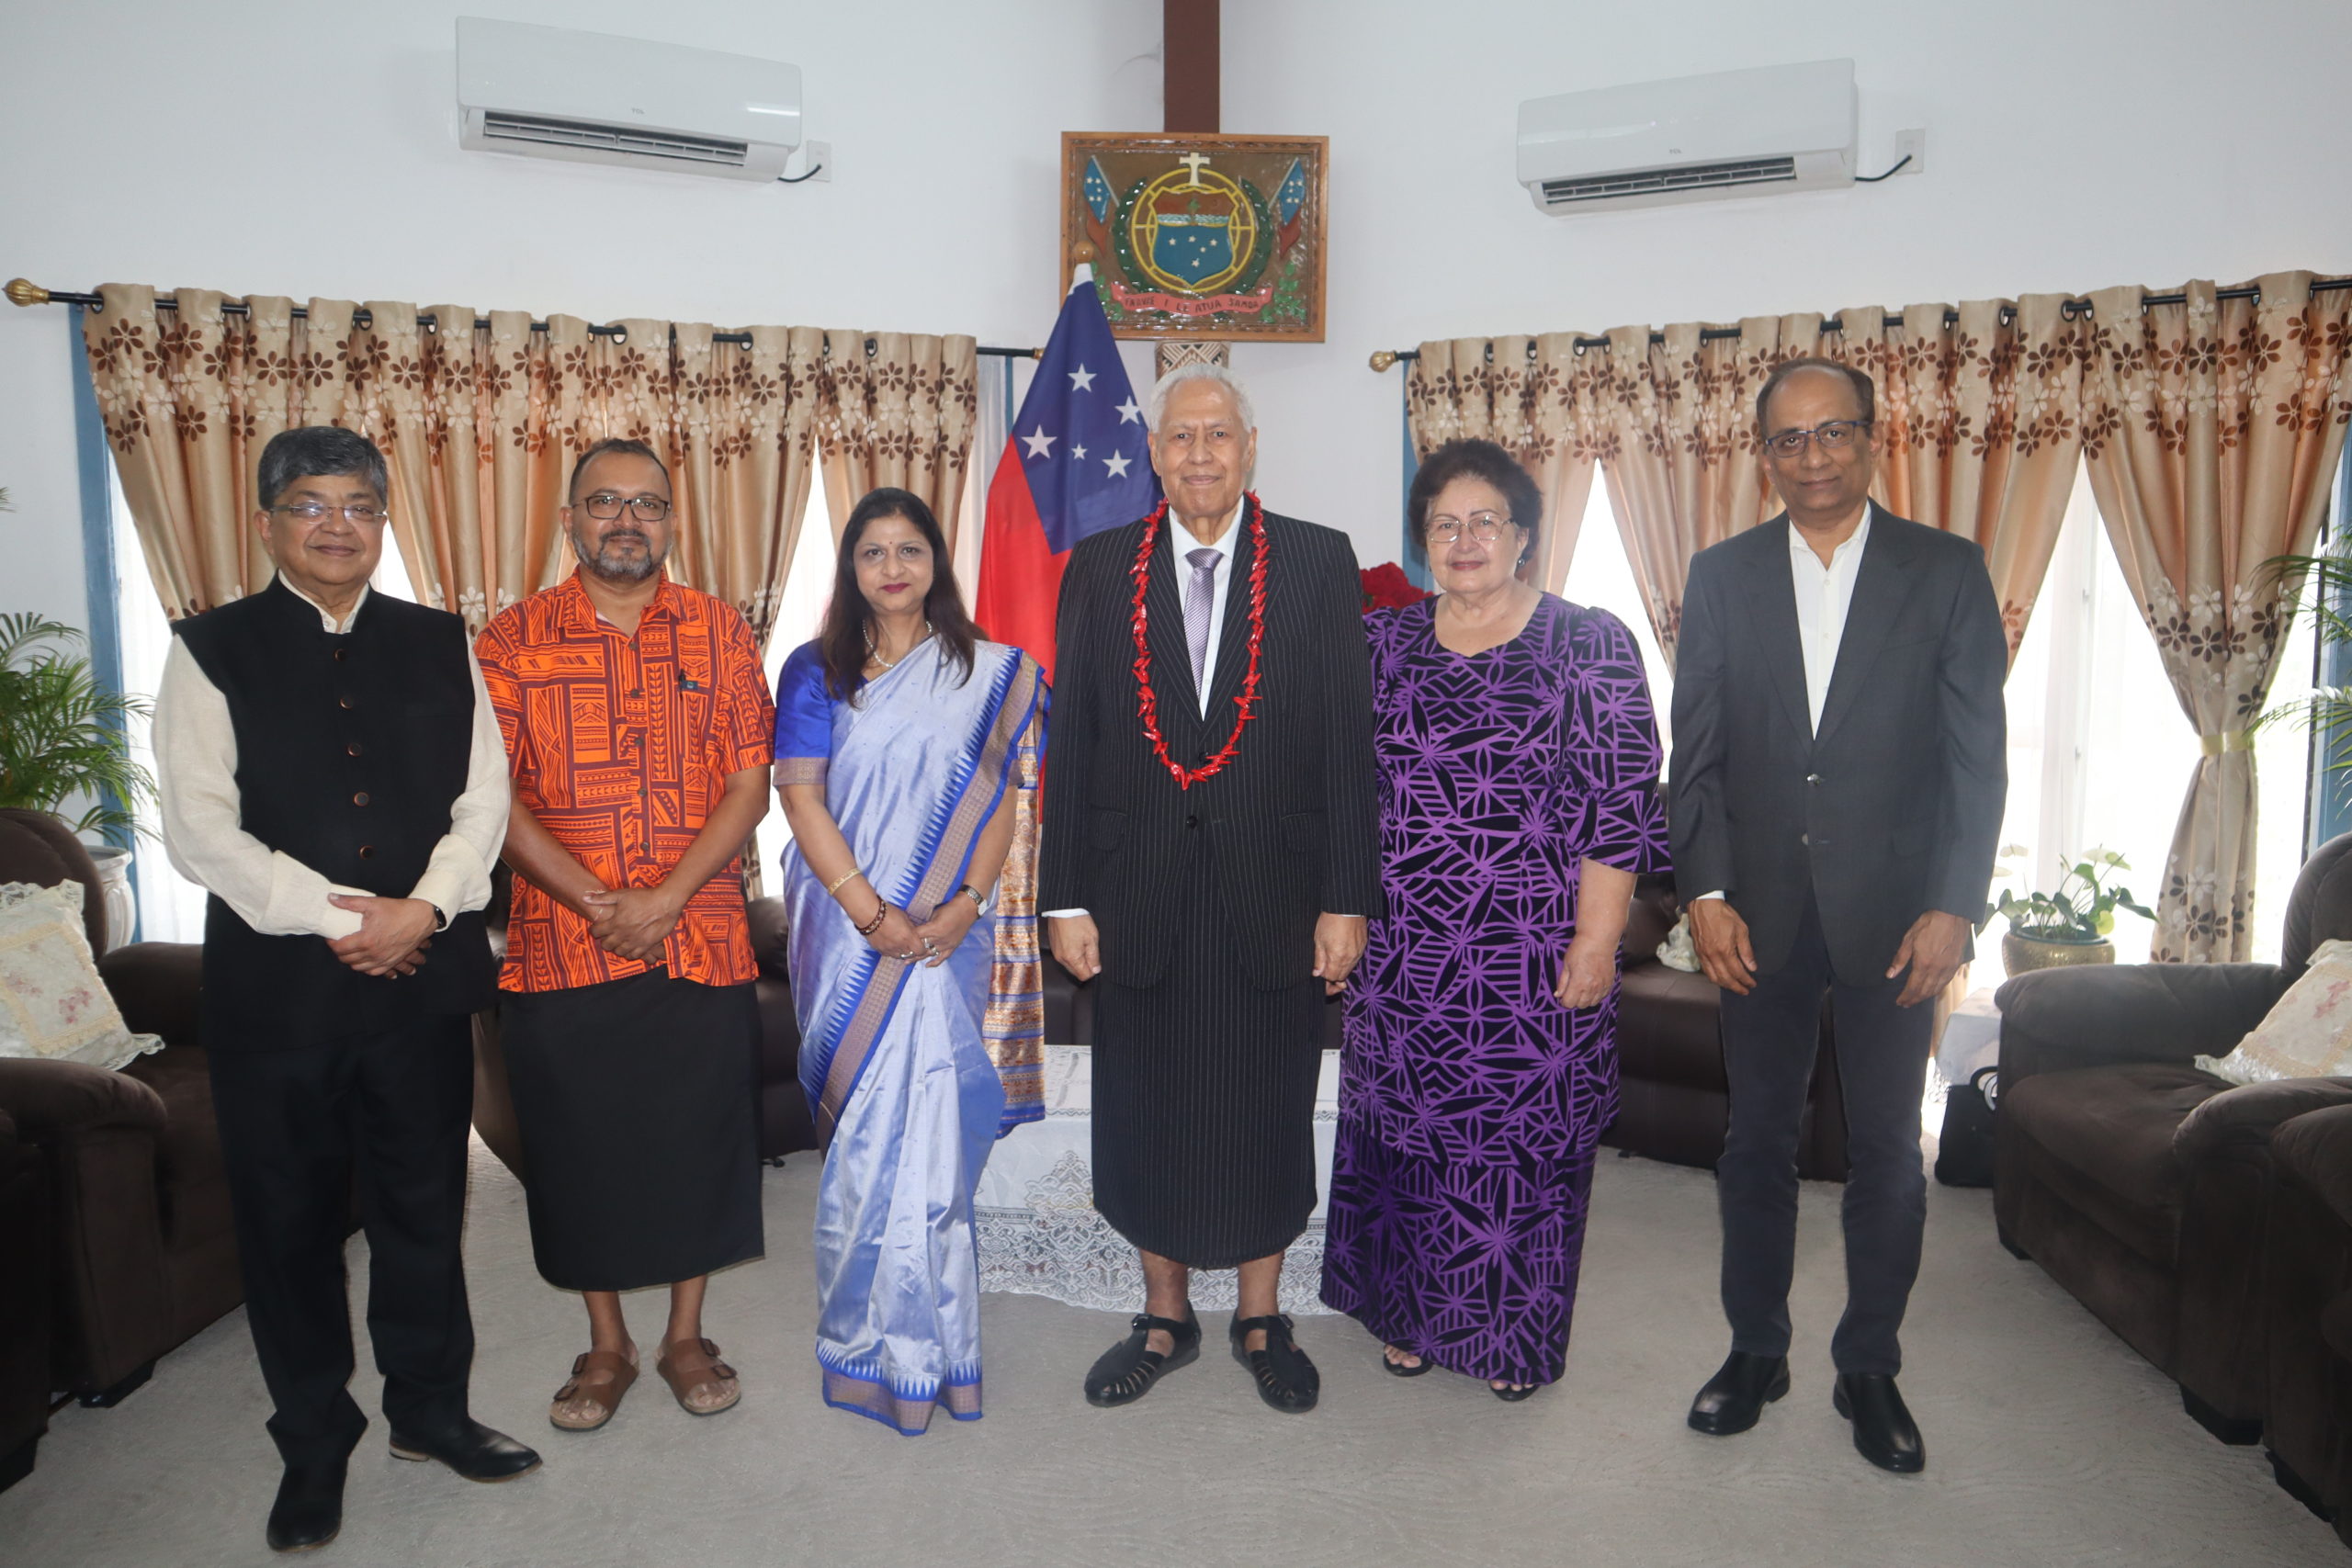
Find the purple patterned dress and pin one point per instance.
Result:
(1472, 1100)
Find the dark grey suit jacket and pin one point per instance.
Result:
(1291, 824)
(1894, 808)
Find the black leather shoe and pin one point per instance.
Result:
(309, 1510)
(470, 1448)
(1884, 1433)
(1126, 1373)
(1286, 1378)
(1739, 1392)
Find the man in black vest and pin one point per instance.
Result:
(332, 775)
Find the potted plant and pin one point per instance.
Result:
(2069, 924)
(63, 739)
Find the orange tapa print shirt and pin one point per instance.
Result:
(622, 746)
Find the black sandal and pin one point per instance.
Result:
(1397, 1369)
(1513, 1395)
(1286, 1378)
(1126, 1373)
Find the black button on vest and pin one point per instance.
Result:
(380, 717)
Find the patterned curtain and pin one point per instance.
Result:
(1525, 395)
(2212, 429)
(1981, 425)
(480, 426)
(1678, 442)
(900, 413)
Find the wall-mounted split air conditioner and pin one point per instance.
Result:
(593, 98)
(1777, 127)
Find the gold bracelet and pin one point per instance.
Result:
(835, 886)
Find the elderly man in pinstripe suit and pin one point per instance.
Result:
(1210, 852)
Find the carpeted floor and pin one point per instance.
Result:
(2048, 1442)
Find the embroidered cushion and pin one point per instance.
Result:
(53, 1006)
(2308, 1034)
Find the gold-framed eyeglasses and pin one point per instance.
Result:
(1834, 436)
(311, 513)
(603, 506)
(1483, 526)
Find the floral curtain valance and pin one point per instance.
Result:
(480, 425)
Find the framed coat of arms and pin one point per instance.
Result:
(1200, 236)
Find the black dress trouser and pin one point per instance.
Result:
(1770, 1038)
(384, 1115)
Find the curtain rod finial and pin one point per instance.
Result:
(1382, 359)
(22, 291)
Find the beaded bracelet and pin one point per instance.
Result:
(880, 914)
(835, 886)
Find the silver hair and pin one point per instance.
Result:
(1155, 402)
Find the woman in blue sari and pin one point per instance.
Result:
(907, 761)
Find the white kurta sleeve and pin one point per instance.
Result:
(456, 878)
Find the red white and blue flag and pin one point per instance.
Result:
(1078, 461)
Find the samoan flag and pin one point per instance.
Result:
(1078, 461)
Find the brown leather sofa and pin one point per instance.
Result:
(2136, 1179)
(1674, 1103)
(2307, 1313)
(141, 1250)
(24, 1305)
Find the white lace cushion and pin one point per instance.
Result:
(53, 1006)
(2308, 1034)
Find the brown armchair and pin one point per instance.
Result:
(2135, 1178)
(2307, 1313)
(24, 1305)
(141, 1251)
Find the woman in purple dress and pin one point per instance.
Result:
(1519, 761)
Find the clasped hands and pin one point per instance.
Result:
(1932, 950)
(899, 937)
(632, 922)
(392, 936)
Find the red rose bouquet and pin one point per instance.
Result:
(1385, 587)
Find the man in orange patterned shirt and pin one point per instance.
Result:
(639, 729)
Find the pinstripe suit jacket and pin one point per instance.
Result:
(1291, 823)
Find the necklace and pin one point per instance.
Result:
(876, 654)
(1246, 700)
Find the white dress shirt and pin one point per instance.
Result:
(1824, 594)
(1181, 542)
(196, 766)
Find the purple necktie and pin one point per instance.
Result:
(1197, 612)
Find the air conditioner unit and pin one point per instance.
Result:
(1776, 128)
(593, 98)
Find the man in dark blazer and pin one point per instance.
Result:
(1210, 852)
(331, 772)
(1835, 800)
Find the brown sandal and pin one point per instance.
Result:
(604, 1396)
(693, 1367)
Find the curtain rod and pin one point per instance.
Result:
(2072, 310)
(21, 292)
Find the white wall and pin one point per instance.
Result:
(272, 146)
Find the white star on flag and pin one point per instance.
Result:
(1040, 444)
(1078, 453)
(1082, 380)
(1118, 464)
(1127, 411)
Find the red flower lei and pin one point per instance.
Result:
(1147, 700)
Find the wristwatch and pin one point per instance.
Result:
(977, 902)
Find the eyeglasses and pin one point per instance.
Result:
(1835, 437)
(1483, 526)
(311, 513)
(603, 506)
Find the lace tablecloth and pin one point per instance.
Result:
(1039, 1234)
